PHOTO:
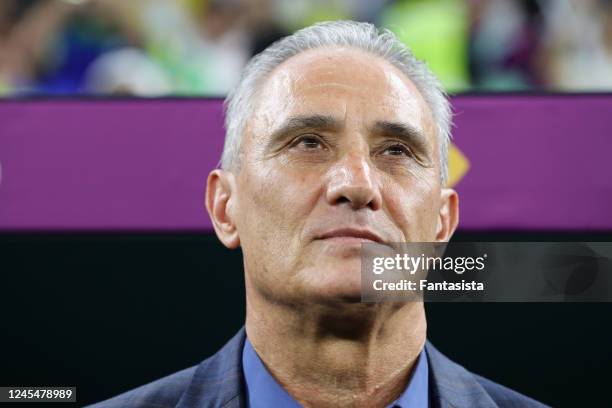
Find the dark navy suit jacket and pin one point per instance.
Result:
(218, 382)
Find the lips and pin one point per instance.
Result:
(354, 233)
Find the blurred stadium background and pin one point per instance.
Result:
(198, 47)
(109, 274)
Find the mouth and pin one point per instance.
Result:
(350, 235)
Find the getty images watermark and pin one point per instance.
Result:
(412, 264)
(487, 271)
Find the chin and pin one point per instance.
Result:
(343, 289)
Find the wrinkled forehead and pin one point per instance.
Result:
(337, 82)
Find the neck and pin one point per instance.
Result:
(338, 355)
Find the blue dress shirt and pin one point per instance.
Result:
(263, 391)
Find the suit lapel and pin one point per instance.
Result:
(218, 381)
(452, 385)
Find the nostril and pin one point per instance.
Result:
(357, 189)
(343, 199)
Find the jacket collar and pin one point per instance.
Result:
(219, 381)
(451, 385)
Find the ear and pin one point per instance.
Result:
(220, 203)
(448, 217)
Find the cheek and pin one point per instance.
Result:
(274, 204)
(414, 210)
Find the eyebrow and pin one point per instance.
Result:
(405, 132)
(297, 123)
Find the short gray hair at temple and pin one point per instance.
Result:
(240, 102)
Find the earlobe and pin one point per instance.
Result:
(448, 217)
(220, 202)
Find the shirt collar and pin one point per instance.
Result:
(416, 393)
(262, 390)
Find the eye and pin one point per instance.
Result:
(308, 142)
(397, 150)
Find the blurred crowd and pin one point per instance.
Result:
(199, 47)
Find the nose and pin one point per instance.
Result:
(352, 181)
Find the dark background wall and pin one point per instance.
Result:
(109, 312)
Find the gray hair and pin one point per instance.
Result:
(240, 102)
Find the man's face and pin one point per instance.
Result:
(340, 149)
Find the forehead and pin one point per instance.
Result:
(341, 82)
